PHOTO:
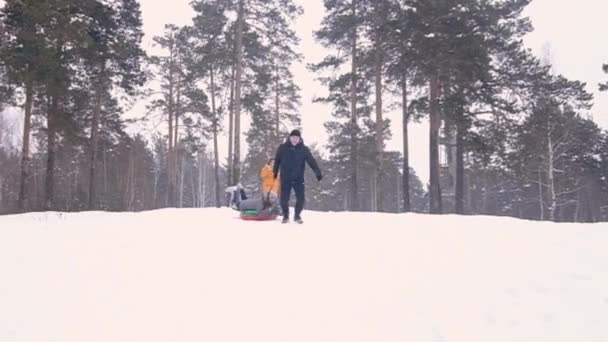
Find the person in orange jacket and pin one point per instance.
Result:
(270, 185)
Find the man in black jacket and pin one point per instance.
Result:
(291, 160)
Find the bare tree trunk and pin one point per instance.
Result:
(551, 175)
(37, 178)
(177, 112)
(459, 193)
(372, 198)
(205, 184)
(200, 181)
(176, 151)
(128, 187)
(379, 62)
(154, 199)
(143, 203)
(25, 152)
(192, 187)
(406, 150)
(133, 184)
(469, 196)
(181, 182)
(51, 151)
(237, 91)
(231, 131)
(398, 189)
(93, 146)
(1, 192)
(215, 143)
(354, 187)
(72, 184)
(540, 195)
(486, 185)
(170, 167)
(105, 179)
(124, 205)
(171, 148)
(76, 179)
(594, 200)
(577, 209)
(435, 125)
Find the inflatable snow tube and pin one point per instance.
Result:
(255, 215)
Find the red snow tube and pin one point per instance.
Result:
(258, 217)
(251, 213)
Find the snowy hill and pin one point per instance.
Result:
(203, 275)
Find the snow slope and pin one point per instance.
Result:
(203, 275)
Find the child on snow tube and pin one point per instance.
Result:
(237, 195)
(258, 208)
(261, 208)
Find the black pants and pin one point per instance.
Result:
(298, 187)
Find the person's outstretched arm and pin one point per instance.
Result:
(277, 163)
(312, 162)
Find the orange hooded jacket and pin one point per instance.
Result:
(269, 183)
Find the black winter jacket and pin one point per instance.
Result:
(291, 160)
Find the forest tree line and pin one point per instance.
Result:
(508, 136)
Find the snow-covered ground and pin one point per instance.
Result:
(203, 275)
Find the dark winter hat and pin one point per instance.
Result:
(295, 133)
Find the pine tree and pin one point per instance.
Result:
(9, 158)
(341, 30)
(238, 79)
(401, 76)
(379, 28)
(211, 63)
(65, 25)
(455, 43)
(171, 71)
(114, 58)
(272, 115)
(548, 132)
(21, 63)
(264, 44)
